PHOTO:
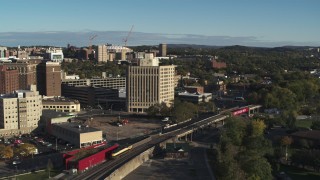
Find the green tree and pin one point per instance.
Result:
(256, 167)
(315, 125)
(154, 110)
(235, 130)
(184, 111)
(259, 145)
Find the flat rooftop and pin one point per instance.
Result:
(76, 128)
(59, 99)
(194, 94)
(54, 114)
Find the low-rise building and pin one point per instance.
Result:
(61, 104)
(195, 97)
(218, 65)
(110, 82)
(177, 150)
(312, 137)
(194, 89)
(76, 134)
(92, 96)
(52, 117)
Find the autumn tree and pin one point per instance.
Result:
(26, 149)
(257, 128)
(286, 141)
(6, 152)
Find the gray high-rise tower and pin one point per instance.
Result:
(163, 50)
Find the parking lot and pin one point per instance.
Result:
(45, 146)
(133, 127)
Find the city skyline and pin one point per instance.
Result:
(206, 22)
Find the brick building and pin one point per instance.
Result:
(9, 79)
(49, 78)
(218, 65)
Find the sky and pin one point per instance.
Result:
(265, 23)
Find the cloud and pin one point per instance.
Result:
(62, 38)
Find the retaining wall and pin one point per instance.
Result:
(131, 165)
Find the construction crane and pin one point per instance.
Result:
(90, 41)
(125, 40)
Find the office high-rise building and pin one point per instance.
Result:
(149, 85)
(49, 78)
(9, 79)
(102, 54)
(163, 50)
(20, 111)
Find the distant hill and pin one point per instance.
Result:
(195, 46)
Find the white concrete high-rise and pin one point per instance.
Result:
(149, 84)
(102, 54)
(20, 112)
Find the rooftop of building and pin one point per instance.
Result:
(15, 94)
(193, 86)
(76, 127)
(59, 100)
(313, 135)
(54, 114)
(177, 147)
(193, 94)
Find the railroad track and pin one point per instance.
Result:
(106, 168)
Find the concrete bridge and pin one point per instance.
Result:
(219, 119)
(119, 168)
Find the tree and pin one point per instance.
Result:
(235, 130)
(315, 125)
(153, 110)
(159, 109)
(49, 166)
(206, 107)
(184, 111)
(257, 128)
(2, 146)
(26, 149)
(256, 167)
(260, 145)
(165, 110)
(6, 152)
(286, 141)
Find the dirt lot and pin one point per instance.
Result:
(135, 127)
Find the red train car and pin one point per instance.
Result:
(240, 111)
(85, 158)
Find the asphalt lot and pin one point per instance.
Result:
(136, 126)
